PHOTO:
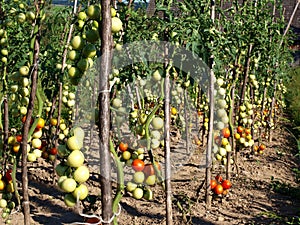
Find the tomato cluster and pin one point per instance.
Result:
(144, 174)
(7, 203)
(220, 186)
(71, 170)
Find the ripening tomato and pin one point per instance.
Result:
(226, 132)
(219, 178)
(40, 124)
(138, 165)
(247, 131)
(123, 147)
(19, 138)
(53, 151)
(218, 189)
(262, 147)
(240, 129)
(149, 169)
(213, 184)
(226, 184)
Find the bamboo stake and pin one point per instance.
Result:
(290, 21)
(104, 112)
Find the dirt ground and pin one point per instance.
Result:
(264, 191)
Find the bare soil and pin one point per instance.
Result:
(265, 191)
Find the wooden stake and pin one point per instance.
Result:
(104, 112)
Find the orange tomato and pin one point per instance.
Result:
(240, 129)
(255, 148)
(218, 189)
(123, 146)
(262, 147)
(16, 147)
(226, 132)
(213, 184)
(40, 124)
(247, 131)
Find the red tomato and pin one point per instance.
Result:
(8, 175)
(226, 132)
(219, 178)
(226, 184)
(19, 138)
(53, 151)
(92, 220)
(213, 184)
(138, 165)
(123, 146)
(218, 189)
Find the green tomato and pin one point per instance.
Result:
(69, 185)
(157, 123)
(69, 200)
(116, 24)
(81, 174)
(92, 35)
(139, 177)
(83, 65)
(89, 51)
(24, 70)
(126, 155)
(77, 42)
(3, 203)
(138, 193)
(131, 186)
(82, 16)
(75, 159)
(151, 180)
(81, 192)
(93, 12)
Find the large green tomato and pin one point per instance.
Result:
(94, 12)
(81, 174)
(116, 24)
(77, 42)
(83, 65)
(74, 73)
(92, 35)
(157, 123)
(69, 185)
(74, 143)
(138, 193)
(81, 192)
(69, 200)
(24, 70)
(89, 51)
(75, 159)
